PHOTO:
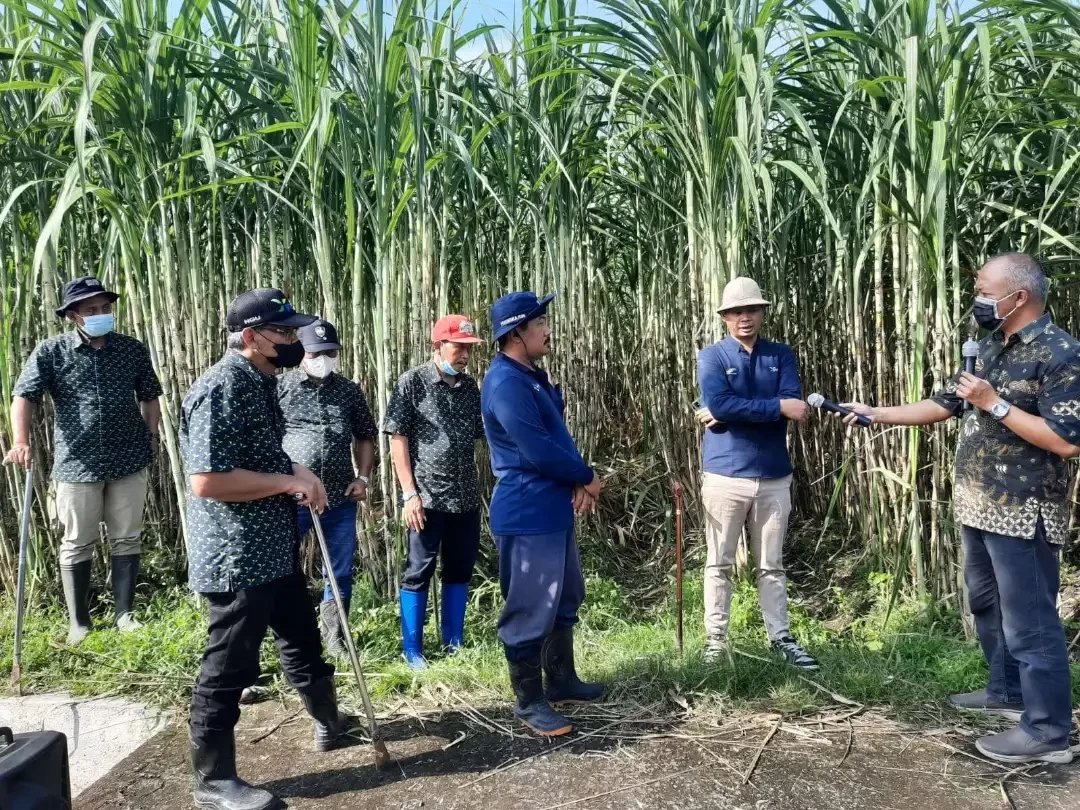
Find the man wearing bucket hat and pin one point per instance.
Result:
(329, 430)
(243, 544)
(105, 396)
(749, 392)
(433, 419)
(542, 482)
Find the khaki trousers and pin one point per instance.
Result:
(763, 506)
(82, 508)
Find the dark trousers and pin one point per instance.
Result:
(540, 578)
(456, 535)
(339, 528)
(1012, 591)
(238, 622)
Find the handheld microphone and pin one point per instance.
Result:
(818, 401)
(970, 353)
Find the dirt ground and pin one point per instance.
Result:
(622, 756)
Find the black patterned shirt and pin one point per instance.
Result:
(230, 419)
(1004, 484)
(98, 431)
(442, 423)
(321, 421)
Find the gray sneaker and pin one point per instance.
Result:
(979, 701)
(1017, 746)
(794, 653)
(715, 649)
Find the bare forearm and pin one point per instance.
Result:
(240, 486)
(151, 414)
(399, 452)
(363, 456)
(924, 412)
(1034, 430)
(22, 416)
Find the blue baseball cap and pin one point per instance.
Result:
(517, 308)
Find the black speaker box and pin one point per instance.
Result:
(34, 771)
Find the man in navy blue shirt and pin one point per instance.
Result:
(542, 482)
(749, 392)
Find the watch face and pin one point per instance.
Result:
(1000, 410)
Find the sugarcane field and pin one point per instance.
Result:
(539, 404)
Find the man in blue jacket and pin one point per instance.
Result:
(542, 482)
(749, 392)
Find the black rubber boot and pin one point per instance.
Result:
(330, 627)
(125, 570)
(332, 726)
(561, 682)
(531, 707)
(217, 787)
(77, 595)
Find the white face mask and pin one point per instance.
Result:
(320, 367)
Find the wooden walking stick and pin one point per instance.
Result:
(382, 756)
(678, 492)
(20, 588)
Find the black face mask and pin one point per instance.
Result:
(986, 311)
(289, 355)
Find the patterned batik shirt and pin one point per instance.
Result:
(442, 423)
(321, 421)
(98, 431)
(1004, 484)
(231, 420)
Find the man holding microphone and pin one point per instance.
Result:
(1011, 498)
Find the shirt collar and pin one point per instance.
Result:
(431, 375)
(731, 341)
(76, 340)
(532, 371)
(1029, 332)
(237, 360)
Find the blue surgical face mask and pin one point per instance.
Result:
(98, 325)
(446, 368)
(986, 311)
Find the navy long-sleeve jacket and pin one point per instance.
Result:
(743, 391)
(532, 453)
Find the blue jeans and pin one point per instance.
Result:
(1012, 591)
(540, 578)
(339, 528)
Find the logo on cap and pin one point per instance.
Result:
(283, 304)
(466, 328)
(253, 319)
(512, 319)
(320, 331)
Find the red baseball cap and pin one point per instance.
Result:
(455, 329)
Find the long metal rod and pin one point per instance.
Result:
(382, 756)
(20, 588)
(677, 487)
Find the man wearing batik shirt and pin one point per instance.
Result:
(329, 429)
(433, 419)
(1011, 497)
(105, 431)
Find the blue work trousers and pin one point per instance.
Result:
(540, 577)
(1012, 592)
(339, 528)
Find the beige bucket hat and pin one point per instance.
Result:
(742, 292)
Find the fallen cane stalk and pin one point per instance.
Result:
(761, 749)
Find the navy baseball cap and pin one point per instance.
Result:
(319, 336)
(517, 308)
(79, 289)
(263, 306)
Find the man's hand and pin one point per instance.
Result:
(18, 454)
(594, 487)
(356, 491)
(705, 417)
(977, 391)
(583, 501)
(794, 409)
(310, 489)
(413, 513)
(857, 409)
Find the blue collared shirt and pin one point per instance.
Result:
(532, 453)
(743, 390)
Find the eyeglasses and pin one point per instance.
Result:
(288, 334)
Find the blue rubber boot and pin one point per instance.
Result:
(531, 708)
(561, 681)
(454, 599)
(413, 613)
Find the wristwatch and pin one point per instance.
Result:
(1000, 410)
(408, 496)
(363, 478)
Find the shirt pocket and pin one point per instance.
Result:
(767, 378)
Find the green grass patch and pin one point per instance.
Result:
(913, 660)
